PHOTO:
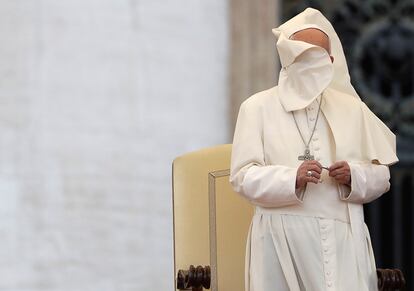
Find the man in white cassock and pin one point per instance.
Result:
(308, 153)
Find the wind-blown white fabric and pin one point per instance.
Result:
(307, 71)
(313, 238)
(313, 18)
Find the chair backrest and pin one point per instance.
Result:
(211, 221)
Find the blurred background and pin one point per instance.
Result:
(98, 97)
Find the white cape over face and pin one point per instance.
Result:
(307, 72)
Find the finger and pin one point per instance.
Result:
(336, 165)
(307, 166)
(312, 180)
(336, 172)
(315, 168)
(316, 175)
(343, 177)
(304, 165)
(339, 172)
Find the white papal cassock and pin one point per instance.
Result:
(314, 239)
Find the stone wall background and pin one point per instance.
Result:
(96, 99)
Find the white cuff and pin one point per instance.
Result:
(300, 193)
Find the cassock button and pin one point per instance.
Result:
(329, 284)
(325, 250)
(326, 261)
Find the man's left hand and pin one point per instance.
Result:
(341, 172)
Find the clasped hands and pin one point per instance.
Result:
(340, 171)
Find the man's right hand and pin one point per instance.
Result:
(301, 176)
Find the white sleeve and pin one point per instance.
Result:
(368, 182)
(261, 184)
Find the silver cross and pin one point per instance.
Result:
(306, 156)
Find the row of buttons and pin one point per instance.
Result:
(312, 119)
(326, 226)
(326, 230)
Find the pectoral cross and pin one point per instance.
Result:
(306, 156)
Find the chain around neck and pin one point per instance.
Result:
(314, 127)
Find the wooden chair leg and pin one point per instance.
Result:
(390, 279)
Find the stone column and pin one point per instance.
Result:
(253, 59)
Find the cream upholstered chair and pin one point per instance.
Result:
(211, 222)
